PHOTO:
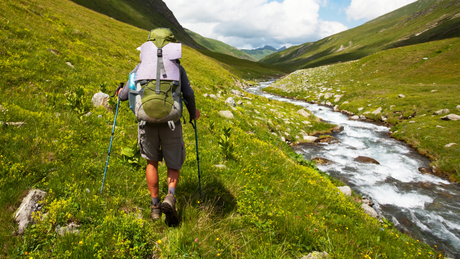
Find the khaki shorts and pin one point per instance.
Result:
(159, 141)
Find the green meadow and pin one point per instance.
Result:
(260, 199)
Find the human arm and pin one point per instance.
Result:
(188, 95)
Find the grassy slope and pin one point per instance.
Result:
(263, 204)
(144, 14)
(432, 20)
(219, 47)
(427, 74)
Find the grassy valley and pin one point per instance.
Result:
(419, 22)
(219, 46)
(260, 199)
(427, 75)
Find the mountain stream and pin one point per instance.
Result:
(424, 206)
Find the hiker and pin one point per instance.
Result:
(160, 137)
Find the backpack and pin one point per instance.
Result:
(154, 85)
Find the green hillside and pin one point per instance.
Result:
(144, 14)
(260, 199)
(219, 46)
(427, 74)
(421, 21)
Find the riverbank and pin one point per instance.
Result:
(408, 96)
(366, 158)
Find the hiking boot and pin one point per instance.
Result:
(168, 207)
(155, 211)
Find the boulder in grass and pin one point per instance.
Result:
(101, 99)
(29, 205)
(230, 101)
(317, 255)
(450, 145)
(303, 113)
(443, 111)
(369, 211)
(226, 114)
(401, 96)
(378, 111)
(458, 107)
(451, 117)
(321, 161)
(345, 190)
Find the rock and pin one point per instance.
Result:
(226, 114)
(230, 101)
(88, 114)
(367, 201)
(29, 205)
(17, 124)
(369, 211)
(321, 161)
(237, 93)
(101, 99)
(367, 160)
(220, 166)
(338, 129)
(317, 255)
(328, 95)
(306, 122)
(355, 118)
(213, 96)
(69, 229)
(437, 126)
(310, 138)
(401, 96)
(328, 104)
(206, 95)
(345, 190)
(443, 111)
(360, 109)
(337, 98)
(425, 170)
(336, 108)
(411, 122)
(327, 139)
(239, 103)
(450, 145)
(458, 107)
(434, 91)
(368, 112)
(451, 117)
(346, 102)
(362, 117)
(378, 111)
(303, 113)
(70, 64)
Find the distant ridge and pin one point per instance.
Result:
(134, 12)
(419, 22)
(260, 53)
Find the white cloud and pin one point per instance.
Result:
(243, 23)
(370, 9)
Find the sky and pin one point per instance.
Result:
(248, 24)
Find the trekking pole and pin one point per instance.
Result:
(111, 138)
(197, 154)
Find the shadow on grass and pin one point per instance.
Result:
(213, 192)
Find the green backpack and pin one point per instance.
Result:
(154, 85)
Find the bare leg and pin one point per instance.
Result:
(151, 174)
(173, 177)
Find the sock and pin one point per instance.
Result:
(172, 190)
(156, 201)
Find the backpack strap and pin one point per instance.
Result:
(160, 69)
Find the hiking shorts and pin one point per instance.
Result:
(159, 141)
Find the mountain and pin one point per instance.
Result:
(421, 21)
(144, 14)
(260, 53)
(218, 46)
